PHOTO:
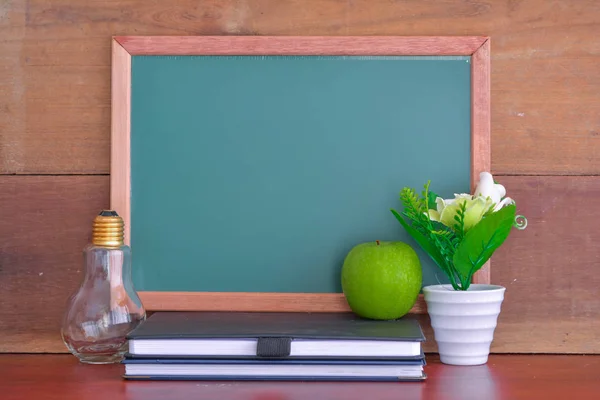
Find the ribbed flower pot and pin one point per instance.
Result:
(464, 321)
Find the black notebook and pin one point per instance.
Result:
(255, 335)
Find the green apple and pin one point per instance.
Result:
(381, 280)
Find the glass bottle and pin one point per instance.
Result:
(103, 311)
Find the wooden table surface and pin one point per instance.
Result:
(504, 377)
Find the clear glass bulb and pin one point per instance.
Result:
(105, 308)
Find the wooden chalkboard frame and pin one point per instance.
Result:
(124, 47)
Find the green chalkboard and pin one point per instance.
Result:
(260, 173)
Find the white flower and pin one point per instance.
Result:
(487, 195)
(486, 188)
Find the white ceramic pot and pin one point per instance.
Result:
(464, 321)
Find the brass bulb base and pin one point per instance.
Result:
(108, 230)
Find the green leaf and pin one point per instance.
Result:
(421, 239)
(431, 204)
(412, 203)
(482, 240)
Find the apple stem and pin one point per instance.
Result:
(377, 241)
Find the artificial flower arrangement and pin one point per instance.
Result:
(462, 233)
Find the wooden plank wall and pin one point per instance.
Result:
(55, 125)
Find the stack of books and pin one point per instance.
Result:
(274, 346)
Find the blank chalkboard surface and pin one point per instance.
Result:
(258, 173)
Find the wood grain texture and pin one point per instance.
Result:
(55, 95)
(45, 223)
(550, 268)
(120, 167)
(268, 302)
(12, 113)
(545, 85)
(514, 377)
(481, 151)
(300, 45)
